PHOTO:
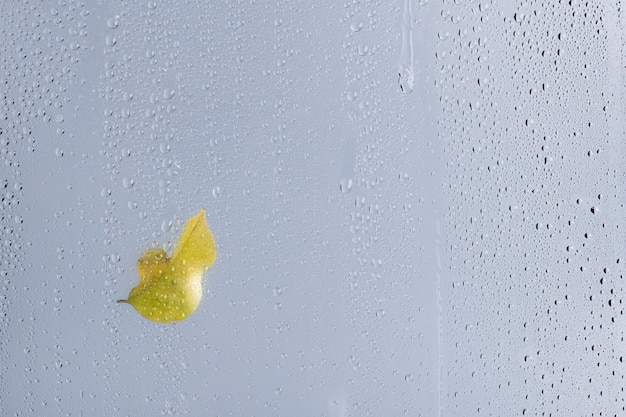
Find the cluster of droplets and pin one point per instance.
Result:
(529, 295)
(137, 133)
(389, 197)
(42, 48)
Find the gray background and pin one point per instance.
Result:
(447, 246)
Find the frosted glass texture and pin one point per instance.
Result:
(418, 206)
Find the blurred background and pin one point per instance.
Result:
(418, 206)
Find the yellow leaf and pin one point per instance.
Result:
(170, 289)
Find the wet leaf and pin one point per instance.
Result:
(170, 288)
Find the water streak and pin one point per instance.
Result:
(406, 76)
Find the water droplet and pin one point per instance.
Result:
(356, 26)
(168, 93)
(113, 22)
(128, 182)
(406, 78)
(345, 185)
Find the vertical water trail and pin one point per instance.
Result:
(405, 63)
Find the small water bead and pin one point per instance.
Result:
(356, 26)
(345, 185)
(168, 93)
(113, 22)
(128, 182)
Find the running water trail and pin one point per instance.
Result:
(405, 63)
